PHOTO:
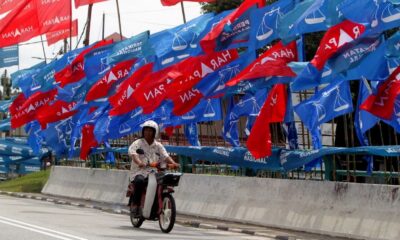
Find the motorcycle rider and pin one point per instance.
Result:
(154, 151)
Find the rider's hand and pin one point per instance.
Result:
(141, 165)
(175, 165)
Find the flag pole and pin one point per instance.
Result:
(183, 12)
(104, 23)
(44, 52)
(119, 21)
(86, 41)
(70, 32)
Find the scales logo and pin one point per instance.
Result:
(17, 32)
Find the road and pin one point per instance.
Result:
(22, 219)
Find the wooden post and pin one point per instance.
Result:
(86, 41)
(119, 21)
(183, 12)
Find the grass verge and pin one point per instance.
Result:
(32, 183)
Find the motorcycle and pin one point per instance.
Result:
(157, 202)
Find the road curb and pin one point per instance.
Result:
(190, 223)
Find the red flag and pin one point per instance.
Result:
(194, 69)
(16, 105)
(170, 130)
(185, 101)
(31, 18)
(9, 5)
(79, 3)
(208, 42)
(174, 2)
(274, 108)
(271, 63)
(382, 104)
(334, 39)
(100, 88)
(76, 70)
(153, 89)
(52, 14)
(62, 33)
(28, 109)
(13, 10)
(19, 26)
(57, 111)
(123, 101)
(88, 141)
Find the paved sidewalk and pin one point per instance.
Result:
(193, 221)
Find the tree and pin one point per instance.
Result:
(6, 83)
(220, 6)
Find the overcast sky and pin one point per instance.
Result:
(136, 16)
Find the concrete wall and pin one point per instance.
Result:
(91, 184)
(363, 211)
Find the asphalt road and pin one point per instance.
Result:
(22, 218)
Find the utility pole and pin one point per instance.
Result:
(183, 13)
(119, 21)
(89, 18)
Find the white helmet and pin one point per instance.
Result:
(150, 124)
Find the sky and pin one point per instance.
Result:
(136, 16)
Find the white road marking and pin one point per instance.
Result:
(38, 229)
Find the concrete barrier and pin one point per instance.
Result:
(362, 211)
(91, 184)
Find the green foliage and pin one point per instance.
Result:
(220, 5)
(33, 183)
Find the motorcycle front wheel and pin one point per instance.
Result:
(136, 221)
(168, 214)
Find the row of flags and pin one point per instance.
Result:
(21, 20)
(178, 77)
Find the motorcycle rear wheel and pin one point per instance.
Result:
(168, 214)
(136, 221)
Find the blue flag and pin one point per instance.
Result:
(353, 62)
(23, 78)
(395, 121)
(192, 134)
(266, 20)
(332, 101)
(250, 105)
(206, 110)
(110, 158)
(101, 60)
(214, 84)
(35, 136)
(114, 127)
(393, 46)
(56, 136)
(5, 105)
(230, 131)
(45, 80)
(290, 125)
(9, 56)
(237, 34)
(136, 46)
(354, 53)
(173, 45)
(363, 120)
(97, 63)
(309, 16)
(5, 124)
(377, 15)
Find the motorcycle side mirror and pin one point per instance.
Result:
(140, 151)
